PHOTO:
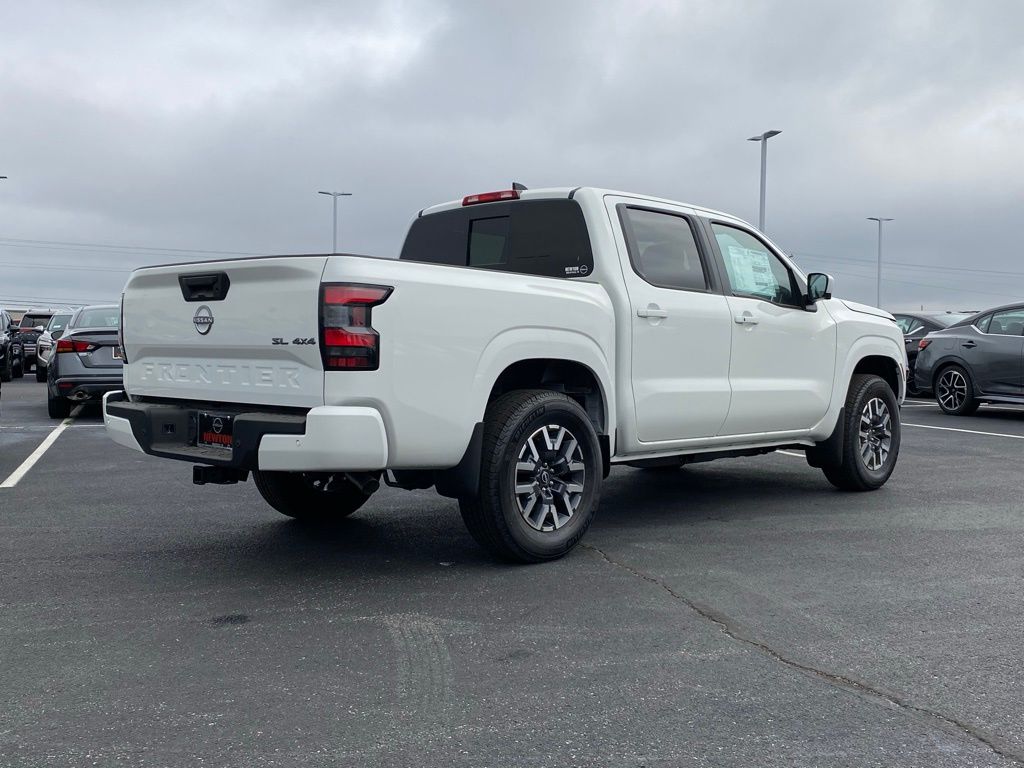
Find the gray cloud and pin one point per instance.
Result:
(212, 126)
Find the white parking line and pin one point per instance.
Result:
(37, 454)
(794, 454)
(967, 431)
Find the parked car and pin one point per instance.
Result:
(917, 325)
(977, 360)
(86, 360)
(45, 342)
(523, 343)
(30, 329)
(11, 363)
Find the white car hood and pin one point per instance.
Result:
(866, 309)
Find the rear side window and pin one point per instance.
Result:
(1007, 323)
(533, 237)
(663, 249)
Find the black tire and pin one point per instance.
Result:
(954, 391)
(497, 517)
(5, 371)
(57, 407)
(862, 467)
(316, 497)
(18, 370)
(40, 373)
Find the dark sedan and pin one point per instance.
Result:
(917, 325)
(977, 360)
(86, 361)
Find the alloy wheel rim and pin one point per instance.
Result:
(549, 477)
(875, 433)
(952, 390)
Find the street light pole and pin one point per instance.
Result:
(878, 278)
(335, 196)
(763, 139)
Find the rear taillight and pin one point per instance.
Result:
(491, 197)
(70, 345)
(347, 338)
(120, 333)
(923, 343)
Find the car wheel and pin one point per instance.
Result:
(540, 477)
(954, 391)
(316, 497)
(57, 407)
(40, 373)
(5, 371)
(18, 370)
(871, 436)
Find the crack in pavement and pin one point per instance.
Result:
(848, 684)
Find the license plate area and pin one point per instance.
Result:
(215, 430)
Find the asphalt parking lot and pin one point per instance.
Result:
(737, 613)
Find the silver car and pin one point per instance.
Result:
(86, 361)
(44, 345)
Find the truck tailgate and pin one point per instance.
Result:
(251, 336)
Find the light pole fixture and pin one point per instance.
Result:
(763, 139)
(878, 279)
(335, 196)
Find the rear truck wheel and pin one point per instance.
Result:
(40, 373)
(871, 436)
(316, 497)
(540, 477)
(57, 407)
(954, 391)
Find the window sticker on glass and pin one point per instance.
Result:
(751, 271)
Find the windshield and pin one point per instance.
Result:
(98, 317)
(947, 320)
(57, 322)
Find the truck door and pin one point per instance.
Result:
(783, 356)
(680, 323)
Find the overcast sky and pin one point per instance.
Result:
(211, 126)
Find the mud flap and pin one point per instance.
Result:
(829, 452)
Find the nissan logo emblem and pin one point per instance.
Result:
(203, 320)
(218, 425)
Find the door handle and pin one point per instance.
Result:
(651, 310)
(746, 319)
(969, 344)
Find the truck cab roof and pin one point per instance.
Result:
(549, 193)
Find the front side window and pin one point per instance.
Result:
(663, 249)
(753, 270)
(1008, 323)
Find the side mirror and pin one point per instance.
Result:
(819, 286)
(39, 329)
(56, 335)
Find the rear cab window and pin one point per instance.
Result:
(532, 237)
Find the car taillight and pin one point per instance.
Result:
(347, 338)
(491, 197)
(923, 343)
(70, 345)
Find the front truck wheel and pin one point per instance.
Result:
(318, 497)
(540, 477)
(871, 436)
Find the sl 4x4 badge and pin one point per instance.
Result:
(278, 341)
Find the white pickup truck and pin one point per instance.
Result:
(523, 343)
